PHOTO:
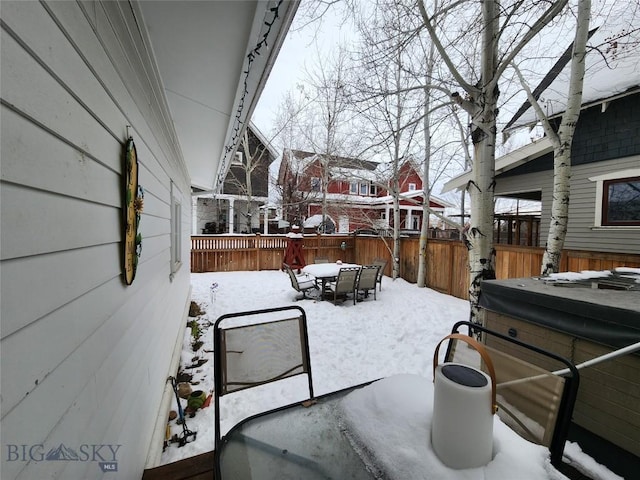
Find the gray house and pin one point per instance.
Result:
(604, 208)
(237, 208)
(85, 350)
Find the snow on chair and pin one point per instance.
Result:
(302, 283)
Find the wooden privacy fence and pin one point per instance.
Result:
(226, 253)
(447, 269)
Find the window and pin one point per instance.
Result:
(364, 188)
(621, 201)
(315, 184)
(373, 189)
(412, 187)
(353, 188)
(617, 199)
(176, 230)
(237, 159)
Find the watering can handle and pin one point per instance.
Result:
(483, 353)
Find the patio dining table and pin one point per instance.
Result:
(375, 430)
(326, 272)
(295, 442)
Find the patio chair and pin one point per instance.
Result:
(535, 396)
(380, 262)
(345, 284)
(368, 280)
(269, 345)
(301, 283)
(321, 260)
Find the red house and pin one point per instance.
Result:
(356, 193)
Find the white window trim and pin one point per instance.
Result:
(176, 231)
(237, 159)
(354, 188)
(412, 187)
(600, 179)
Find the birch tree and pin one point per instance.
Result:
(562, 141)
(388, 95)
(292, 109)
(328, 131)
(240, 177)
(426, 186)
(480, 101)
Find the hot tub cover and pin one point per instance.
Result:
(609, 317)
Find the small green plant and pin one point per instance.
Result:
(195, 329)
(196, 343)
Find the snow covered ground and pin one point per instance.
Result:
(349, 344)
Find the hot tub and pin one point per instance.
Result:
(580, 320)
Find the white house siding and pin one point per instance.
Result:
(581, 234)
(84, 358)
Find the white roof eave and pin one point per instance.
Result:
(505, 163)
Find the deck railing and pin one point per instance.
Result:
(447, 269)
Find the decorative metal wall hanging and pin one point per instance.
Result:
(133, 204)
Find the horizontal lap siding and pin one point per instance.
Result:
(580, 232)
(581, 235)
(77, 344)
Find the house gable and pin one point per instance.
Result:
(262, 156)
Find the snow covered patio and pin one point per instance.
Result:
(349, 345)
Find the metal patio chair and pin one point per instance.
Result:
(257, 347)
(382, 264)
(301, 283)
(536, 389)
(345, 284)
(367, 281)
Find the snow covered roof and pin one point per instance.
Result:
(612, 70)
(260, 136)
(315, 221)
(336, 160)
(409, 195)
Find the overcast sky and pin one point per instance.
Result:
(299, 49)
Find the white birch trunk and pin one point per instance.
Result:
(559, 220)
(479, 237)
(423, 252)
(424, 229)
(395, 269)
(396, 237)
(248, 169)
